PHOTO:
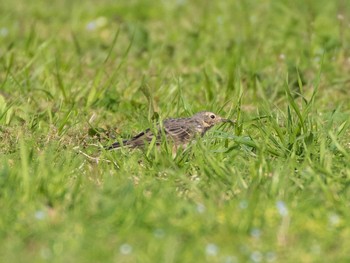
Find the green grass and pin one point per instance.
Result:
(78, 75)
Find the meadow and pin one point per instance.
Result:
(76, 76)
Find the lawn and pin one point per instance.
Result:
(76, 76)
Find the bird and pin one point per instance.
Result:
(180, 131)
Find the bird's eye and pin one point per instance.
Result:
(212, 116)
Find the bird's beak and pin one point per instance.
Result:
(227, 120)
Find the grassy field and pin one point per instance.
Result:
(78, 75)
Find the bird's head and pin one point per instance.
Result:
(209, 119)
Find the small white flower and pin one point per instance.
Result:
(282, 208)
(256, 256)
(243, 204)
(200, 208)
(255, 232)
(125, 249)
(211, 249)
(334, 219)
(91, 26)
(40, 215)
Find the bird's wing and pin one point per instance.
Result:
(178, 130)
(140, 139)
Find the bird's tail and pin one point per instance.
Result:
(134, 142)
(116, 145)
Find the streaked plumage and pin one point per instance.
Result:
(180, 131)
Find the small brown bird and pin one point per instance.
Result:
(180, 131)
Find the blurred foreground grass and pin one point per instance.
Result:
(76, 75)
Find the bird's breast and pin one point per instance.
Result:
(200, 129)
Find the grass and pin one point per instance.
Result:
(78, 75)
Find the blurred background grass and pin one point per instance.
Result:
(76, 75)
